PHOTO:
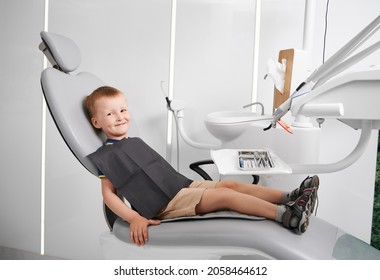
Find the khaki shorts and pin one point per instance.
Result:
(185, 201)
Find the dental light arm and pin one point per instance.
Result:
(331, 67)
(348, 63)
(325, 69)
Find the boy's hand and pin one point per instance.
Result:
(139, 229)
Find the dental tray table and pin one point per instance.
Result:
(248, 161)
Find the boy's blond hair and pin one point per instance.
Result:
(103, 91)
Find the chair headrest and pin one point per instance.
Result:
(61, 51)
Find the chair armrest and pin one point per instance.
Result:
(196, 167)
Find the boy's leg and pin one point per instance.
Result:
(269, 194)
(264, 193)
(245, 198)
(229, 199)
(295, 215)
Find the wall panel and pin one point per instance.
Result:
(20, 122)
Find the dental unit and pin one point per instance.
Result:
(324, 94)
(239, 236)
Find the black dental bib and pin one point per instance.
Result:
(140, 174)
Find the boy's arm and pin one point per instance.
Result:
(138, 224)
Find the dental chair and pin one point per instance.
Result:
(219, 235)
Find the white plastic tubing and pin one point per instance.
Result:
(186, 138)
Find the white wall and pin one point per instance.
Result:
(213, 65)
(126, 43)
(20, 122)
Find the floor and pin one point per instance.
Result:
(15, 254)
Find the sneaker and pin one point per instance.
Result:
(307, 183)
(298, 212)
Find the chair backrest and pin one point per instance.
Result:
(64, 93)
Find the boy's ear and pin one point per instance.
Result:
(95, 123)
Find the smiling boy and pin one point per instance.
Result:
(178, 195)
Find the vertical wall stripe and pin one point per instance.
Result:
(256, 52)
(43, 144)
(169, 135)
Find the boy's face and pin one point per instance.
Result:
(112, 116)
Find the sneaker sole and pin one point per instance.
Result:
(314, 195)
(304, 222)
